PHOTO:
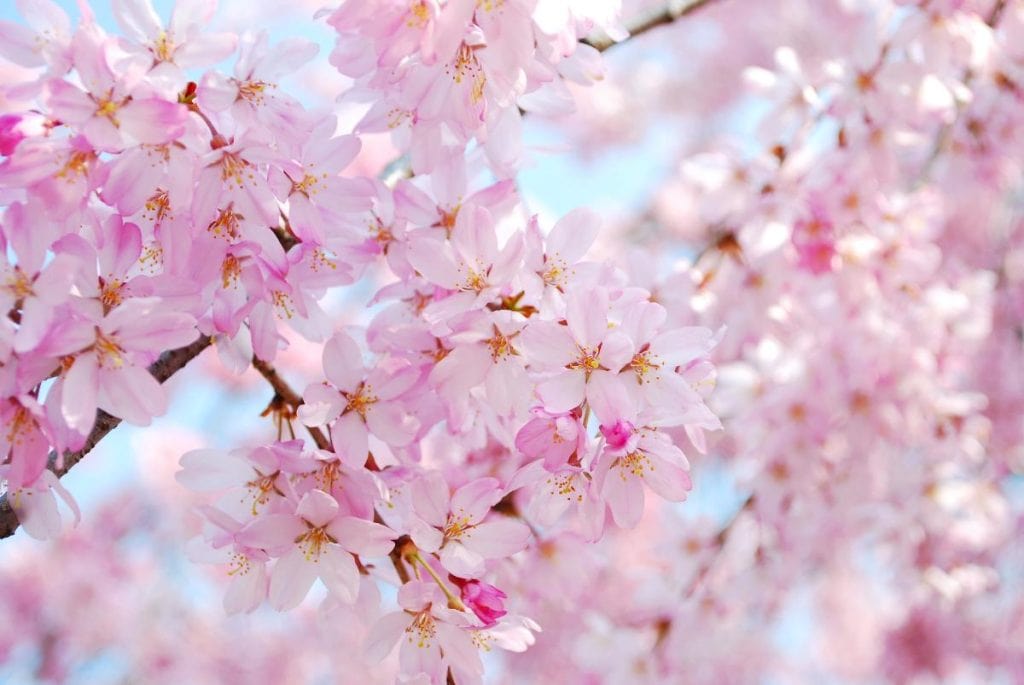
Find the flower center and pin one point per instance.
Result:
(419, 14)
(359, 401)
(109, 354)
(108, 108)
(159, 206)
(422, 630)
(635, 463)
(232, 168)
(308, 185)
(163, 47)
(588, 361)
(261, 487)
(565, 486)
(642, 364)
(455, 527)
(501, 345)
(110, 293)
(312, 542)
(19, 284)
(226, 224)
(254, 92)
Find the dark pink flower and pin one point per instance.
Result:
(10, 135)
(486, 601)
(618, 433)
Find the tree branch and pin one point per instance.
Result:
(659, 16)
(285, 392)
(162, 369)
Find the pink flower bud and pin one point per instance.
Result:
(618, 434)
(484, 599)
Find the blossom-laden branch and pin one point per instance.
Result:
(162, 369)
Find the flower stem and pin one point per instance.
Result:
(453, 601)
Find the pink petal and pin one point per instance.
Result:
(339, 573)
(624, 494)
(680, 346)
(291, 579)
(363, 537)
(343, 362)
(38, 514)
(461, 560)
(102, 134)
(318, 508)
(668, 480)
(548, 344)
(391, 385)
(146, 328)
(609, 398)
(474, 499)
(18, 44)
(586, 311)
(137, 19)
(153, 121)
(78, 399)
(562, 392)
(460, 653)
(246, 590)
(209, 470)
(350, 437)
(70, 103)
(274, 533)
(131, 393)
(643, 320)
(427, 537)
(384, 635)
(573, 235)
(391, 423)
(205, 49)
(430, 498)
(191, 15)
(435, 262)
(498, 538)
(616, 351)
(463, 368)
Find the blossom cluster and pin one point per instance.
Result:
(508, 391)
(493, 456)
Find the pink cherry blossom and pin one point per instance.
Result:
(315, 542)
(357, 402)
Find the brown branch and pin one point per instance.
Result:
(162, 369)
(285, 392)
(719, 542)
(658, 16)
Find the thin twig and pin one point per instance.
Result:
(293, 398)
(719, 542)
(659, 16)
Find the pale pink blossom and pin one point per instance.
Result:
(316, 541)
